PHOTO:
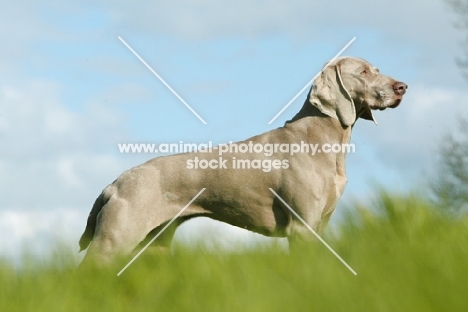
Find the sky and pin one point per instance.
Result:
(71, 91)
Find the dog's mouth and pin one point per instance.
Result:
(395, 104)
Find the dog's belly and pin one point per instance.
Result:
(265, 219)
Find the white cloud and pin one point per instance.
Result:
(66, 169)
(49, 154)
(53, 163)
(38, 232)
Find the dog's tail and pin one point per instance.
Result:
(88, 233)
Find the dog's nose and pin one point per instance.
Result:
(400, 88)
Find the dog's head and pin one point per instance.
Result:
(349, 88)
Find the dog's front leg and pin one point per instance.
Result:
(300, 235)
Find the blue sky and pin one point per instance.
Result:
(70, 91)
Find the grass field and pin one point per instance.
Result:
(408, 258)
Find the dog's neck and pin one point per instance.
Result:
(310, 119)
(307, 110)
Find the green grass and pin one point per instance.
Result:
(407, 256)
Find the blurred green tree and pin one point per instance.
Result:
(460, 7)
(450, 187)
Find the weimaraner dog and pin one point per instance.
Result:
(145, 198)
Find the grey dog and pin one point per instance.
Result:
(145, 198)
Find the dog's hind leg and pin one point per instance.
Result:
(119, 229)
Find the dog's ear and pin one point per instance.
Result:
(330, 96)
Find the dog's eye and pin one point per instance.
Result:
(364, 72)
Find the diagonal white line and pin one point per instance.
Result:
(312, 80)
(160, 232)
(313, 232)
(162, 80)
